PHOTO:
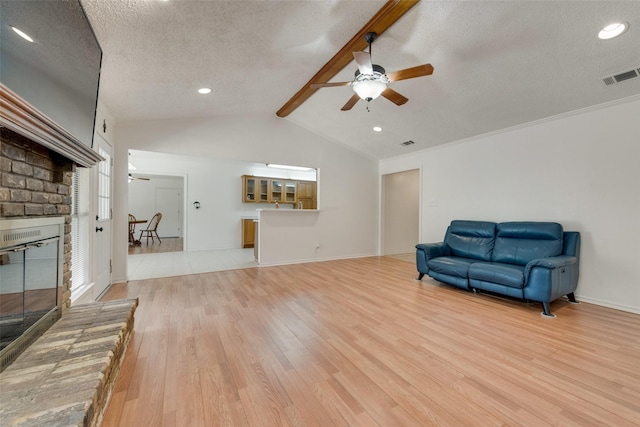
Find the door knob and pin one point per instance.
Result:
(98, 229)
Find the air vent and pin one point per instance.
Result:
(407, 143)
(632, 74)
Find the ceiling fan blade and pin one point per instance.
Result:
(409, 73)
(394, 96)
(363, 59)
(351, 102)
(319, 85)
(138, 178)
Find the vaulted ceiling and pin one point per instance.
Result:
(497, 64)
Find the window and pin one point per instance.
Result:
(104, 186)
(79, 232)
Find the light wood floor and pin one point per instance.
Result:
(168, 244)
(362, 343)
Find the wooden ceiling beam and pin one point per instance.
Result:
(381, 21)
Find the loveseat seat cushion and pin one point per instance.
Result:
(511, 275)
(451, 266)
(521, 242)
(471, 239)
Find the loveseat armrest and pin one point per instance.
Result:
(547, 279)
(550, 262)
(433, 250)
(427, 251)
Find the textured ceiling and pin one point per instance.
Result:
(497, 63)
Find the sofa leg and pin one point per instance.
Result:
(546, 310)
(572, 298)
(420, 276)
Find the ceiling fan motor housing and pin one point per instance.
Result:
(377, 69)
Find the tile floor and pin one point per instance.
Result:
(168, 264)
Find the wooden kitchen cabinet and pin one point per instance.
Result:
(257, 189)
(307, 195)
(248, 233)
(306, 189)
(275, 194)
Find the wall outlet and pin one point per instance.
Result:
(317, 245)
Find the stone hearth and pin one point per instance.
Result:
(66, 376)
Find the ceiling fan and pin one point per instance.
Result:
(371, 79)
(138, 178)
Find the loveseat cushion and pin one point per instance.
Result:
(521, 242)
(451, 266)
(504, 274)
(471, 239)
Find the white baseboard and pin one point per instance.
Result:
(84, 295)
(303, 261)
(608, 304)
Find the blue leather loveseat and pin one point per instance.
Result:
(534, 261)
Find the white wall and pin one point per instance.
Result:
(348, 190)
(578, 169)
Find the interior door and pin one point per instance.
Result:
(169, 203)
(102, 236)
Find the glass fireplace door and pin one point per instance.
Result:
(11, 294)
(29, 275)
(40, 279)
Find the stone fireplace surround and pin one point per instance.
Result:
(88, 343)
(36, 182)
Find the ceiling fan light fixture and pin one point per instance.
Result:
(369, 90)
(370, 86)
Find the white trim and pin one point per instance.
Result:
(82, 295)
(304, 261)
(608, 304)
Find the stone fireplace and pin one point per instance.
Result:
(35, 185)
(36, 182)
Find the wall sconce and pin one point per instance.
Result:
(196, 205)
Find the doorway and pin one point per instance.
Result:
(150, 194)
(400, 213)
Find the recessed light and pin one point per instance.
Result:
(204, 90)
(22, 34)
(377, 129)
(613, 30)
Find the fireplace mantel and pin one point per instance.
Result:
(19, 116)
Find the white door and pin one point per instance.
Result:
(169, 203)
(102, 240)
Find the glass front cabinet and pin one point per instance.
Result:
(257, 189)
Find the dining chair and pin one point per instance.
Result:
(132, 229)
(152, 228)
